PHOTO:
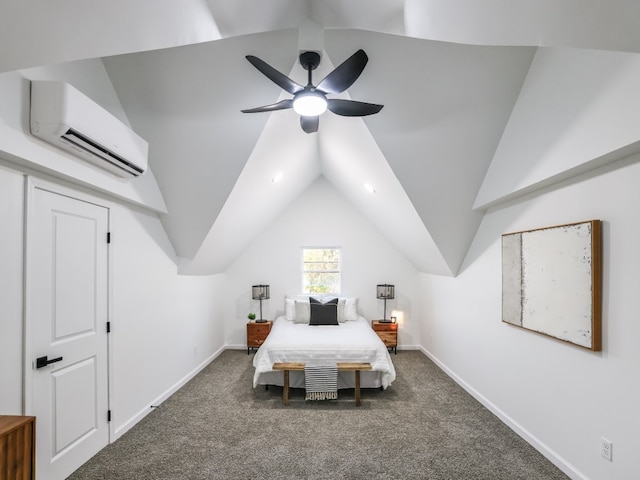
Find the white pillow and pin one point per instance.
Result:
(289, 308)
(289, 305)
(341, 305)
(347, 307)
(302, 311)
(350, 309)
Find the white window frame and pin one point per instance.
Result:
(304, 271)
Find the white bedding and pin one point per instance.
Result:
(353, 341)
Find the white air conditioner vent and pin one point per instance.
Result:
(65, 117)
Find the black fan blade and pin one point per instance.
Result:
(309, 124)
(275, 76)
(281, 105)
(351, 108)
(344, 74)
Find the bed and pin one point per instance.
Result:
(293, 339)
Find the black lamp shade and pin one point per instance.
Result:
(260, 292)
(385, 291)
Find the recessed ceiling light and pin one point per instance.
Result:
(277, 177)
(370, 188)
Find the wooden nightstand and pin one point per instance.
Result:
(18, 447)
(388, 333)
(257, 333)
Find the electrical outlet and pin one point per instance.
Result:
(606, 448)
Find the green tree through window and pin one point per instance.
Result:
(321, 270)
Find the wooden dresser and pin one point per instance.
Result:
(388, 333)
(257, 333)
(17, 448)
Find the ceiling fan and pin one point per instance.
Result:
(310, 101)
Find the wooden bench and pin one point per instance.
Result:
(342, 367)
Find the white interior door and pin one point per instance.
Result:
(67, 311)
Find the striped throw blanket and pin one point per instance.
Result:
(321, 381)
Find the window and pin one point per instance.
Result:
(321, 270)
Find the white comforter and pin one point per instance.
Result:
(353, 341)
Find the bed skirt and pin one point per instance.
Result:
(371, 379)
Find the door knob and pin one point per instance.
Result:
(44, 361)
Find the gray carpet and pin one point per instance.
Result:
(218, 427)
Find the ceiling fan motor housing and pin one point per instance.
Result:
(310, 60)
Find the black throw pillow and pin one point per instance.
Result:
(323, 313)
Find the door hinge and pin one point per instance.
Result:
(108, 415)
(108, 327)
(108, 237)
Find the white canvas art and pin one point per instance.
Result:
(551, 282)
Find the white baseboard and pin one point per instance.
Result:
(550, 454)
(126, 426)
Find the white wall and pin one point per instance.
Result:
(561, 397)
(164, 326)
(321, 216)
(576, 110)
(11, 280)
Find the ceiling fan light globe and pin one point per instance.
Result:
(310, 104)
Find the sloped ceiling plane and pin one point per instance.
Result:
(449, 73)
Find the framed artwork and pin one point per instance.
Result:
(552, 282)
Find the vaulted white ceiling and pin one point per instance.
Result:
(448, 72)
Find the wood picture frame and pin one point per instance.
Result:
(552, 282)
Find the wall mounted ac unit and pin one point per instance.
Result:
(67, 118)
